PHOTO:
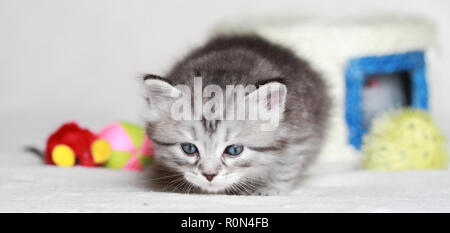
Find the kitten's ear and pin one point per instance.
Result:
(158, 89)
(160, 96)
(269, 96)
(266, 106)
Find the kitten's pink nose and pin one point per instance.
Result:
(209, 177)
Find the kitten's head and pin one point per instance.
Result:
(211, 153)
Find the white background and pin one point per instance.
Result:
(63, 60)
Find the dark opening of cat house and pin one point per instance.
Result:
(383, 92)
(376, 84)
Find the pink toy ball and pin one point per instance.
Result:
(131, 148)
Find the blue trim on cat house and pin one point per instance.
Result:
(359, 68)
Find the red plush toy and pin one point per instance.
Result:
(71, 144)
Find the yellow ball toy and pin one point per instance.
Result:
(404, 140)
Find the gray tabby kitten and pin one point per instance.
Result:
(235, 156)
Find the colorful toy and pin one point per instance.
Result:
(118, 146)
(131, 148)
(71, 144)
(404, 140)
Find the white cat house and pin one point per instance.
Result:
(348, 55)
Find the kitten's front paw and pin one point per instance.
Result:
(267, 192)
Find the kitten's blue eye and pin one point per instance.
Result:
(234, 149)
(189, 148)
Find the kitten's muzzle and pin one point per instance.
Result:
(209, 177)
